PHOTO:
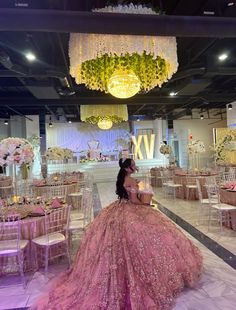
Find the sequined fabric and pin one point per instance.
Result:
(131, 258)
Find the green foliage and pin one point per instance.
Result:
(151, 71)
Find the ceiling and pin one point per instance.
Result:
(45, 86)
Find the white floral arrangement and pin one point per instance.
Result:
(68, 154)
(195, 147)
(226, 144)
(165, 149)
(87, 160)
(126, 9)
(34, 140)
(58, 153)
(16, 151)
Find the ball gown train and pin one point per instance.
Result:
(132, 257)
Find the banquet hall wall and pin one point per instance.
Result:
(201, 130)
(77, 135)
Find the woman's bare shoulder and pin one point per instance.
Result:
(130, 182)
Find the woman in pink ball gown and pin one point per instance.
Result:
(132, 257)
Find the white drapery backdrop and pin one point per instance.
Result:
(76, 136)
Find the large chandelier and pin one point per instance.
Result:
(123, 84)
(104, 115)
(105, 124)
(106, 62)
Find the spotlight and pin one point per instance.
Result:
(231, 3)
(230, 107)
(50, 122)
(201, 116)
(138, 119)
(69, 121)
(172, 94)
(223, 56)
(30, 56)
(6, 122)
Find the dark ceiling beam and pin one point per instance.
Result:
(134, 24)
(137, 100)
(18, 113)
(92, 100)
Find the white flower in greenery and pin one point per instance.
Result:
(165, 149)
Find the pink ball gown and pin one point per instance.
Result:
(132, 257)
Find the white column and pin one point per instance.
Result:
(157, 130)
(18, 126)
(231, 115)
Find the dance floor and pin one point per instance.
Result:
(215, 290)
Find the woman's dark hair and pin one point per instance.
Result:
(120, 190)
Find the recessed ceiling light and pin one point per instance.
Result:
(209, 13)
(30, 56)
(223, 57)
(173, 93)
(230, 107)
(6, 122)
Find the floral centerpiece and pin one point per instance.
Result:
(34, 140)
(58, 153)
(165, 149)
(16, 151)
(68, 154)
(195, 147)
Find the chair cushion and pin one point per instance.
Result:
(76, 216)
(206, 200)
(191, 186)
(52, 239)
(76, 225)
(10, 246)
(75, 194)
(224, 207)
(174, 185)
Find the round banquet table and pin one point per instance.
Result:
(31, 227)
(230, 198)
(182, 193)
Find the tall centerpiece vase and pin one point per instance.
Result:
(44, 167)
(167, 160)
(14, 180)
(24, 176)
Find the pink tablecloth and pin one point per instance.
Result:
(190, 194)
(230, 198)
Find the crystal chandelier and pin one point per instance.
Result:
(123, 84)
(105, 124)
(104, 115)
(103, 61)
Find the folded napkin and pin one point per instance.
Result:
(230, 185)
(39, 182)
(38, 210)
(56, 203)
